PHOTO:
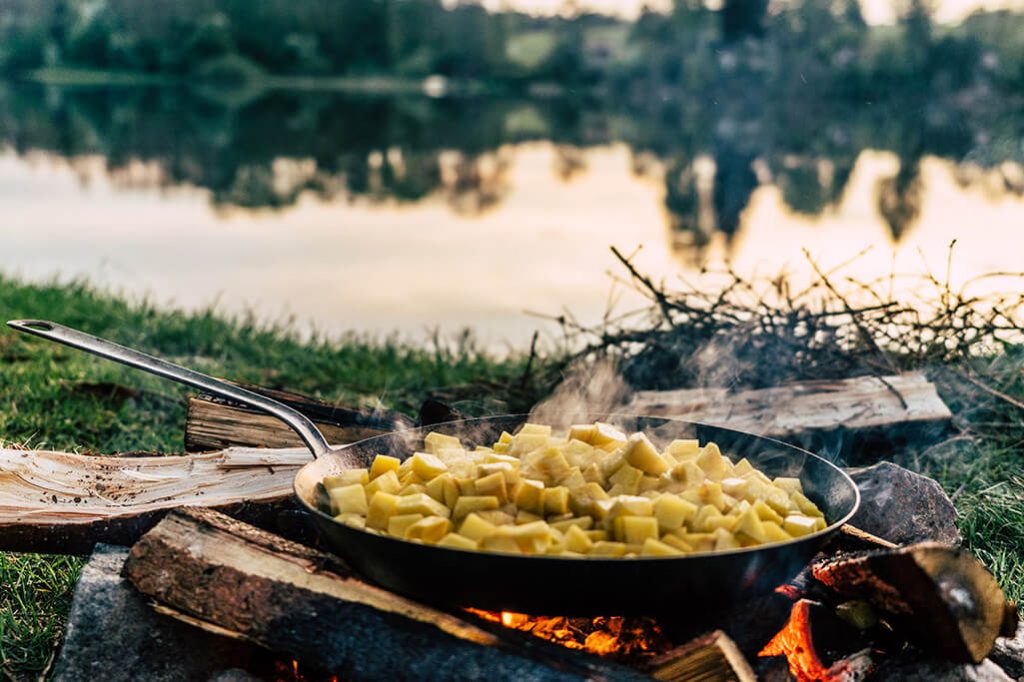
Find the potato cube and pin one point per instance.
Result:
(386, 482)
(701, 542)
(631, 505)
(500, 542)
(435, 441)
(398, 524)
(493, 485)
(412, 489)
(529, 495)
(604, 548)
(672, 512)
(382, 463)
(806, 507)
(468, 504)
(475, 527)
(634, 530)
(700, 521)
(497, 517)
(766, 513)
(550, 463)
(347, 477)
(574, 479)
(596, 535)
(582, 499)
(579, 454)
(683, 449)
(777, 499)
(649, 484)
(583, 432)
(577, 541)
(711, 493)
(715, 466)
(628, 478)
(444, 489)
(677, 542)
(641, 454)
(790, 485)
(421, 503)
(381, 508)
(689, 473)
(582, 522)
(654, 547)
(348, 498)
(526, 443)
(456, 541)
(725, 540)
(532, 538)
(798, 525)
(774, 532)
(555, 500)
(427, 466)
(505, 438)
(541, 429)
(741, 467)
(750, 525)
(508, 471)
(430, 529)
(523, 516)
(352, 519)
(593, 473)
(726, 521)
(607, 437)
(737, 487)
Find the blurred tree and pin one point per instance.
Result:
(743, 18)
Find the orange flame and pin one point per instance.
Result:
(794, 641)
(604, 635)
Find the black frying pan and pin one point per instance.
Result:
(533, 584)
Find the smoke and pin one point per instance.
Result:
(588, 388)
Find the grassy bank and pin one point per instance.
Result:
(58, 398)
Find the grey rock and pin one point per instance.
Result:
(113, 635)
(902, 506)
(900, 670)
(1009, 654)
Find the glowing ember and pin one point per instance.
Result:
(615, 636)
(285, 671)
(794, 642)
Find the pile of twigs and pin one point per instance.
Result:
(751, 333)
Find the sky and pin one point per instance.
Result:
(875, 11)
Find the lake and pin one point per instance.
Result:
(407, 214)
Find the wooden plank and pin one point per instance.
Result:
(904, 405)
(65, 502)
(300, 603)
(214, 423)
(713, 657)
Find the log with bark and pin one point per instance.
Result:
(941, 596)
(215, 423)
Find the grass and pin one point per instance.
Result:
(59, 398)
(63, 399)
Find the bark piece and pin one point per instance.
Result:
(947, 601)
(215, 423)
(713, 656)
(65, 503)
(860, 417)
(903, 507)
(302, 604)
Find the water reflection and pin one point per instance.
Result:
(540, 187)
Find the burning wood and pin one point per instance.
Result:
(796, 642)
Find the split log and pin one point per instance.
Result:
(215, 423)
(709, 658)
(225, 575)
(855, 414)
(65, 503)
(943, 597)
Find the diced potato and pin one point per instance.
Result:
(700, 521)
(493, 485)
(736, 487)
(774, 532)
(689, 473)
(711, 493)
(456, 541)
(651, 484)
(555, 500)
(551, 464)
(475, 527)
(766, 513)
(348, 498)
(539, 429)
(529, 495)
(631, 505)
(507, 471)
(726, 521)
(523, 516)
(525, 443)
(421, 503)
(741, 467)
(412, 489)
(682, 449)
(790, 485)
(641, 454)
(654, 547)
(430, 529)
(596, 535)
(383, 463)
(351, 519)
(468, 504)
(444, 489)
(635, 530)
(397, 525)
(627, 478)
(715, 466)
(582, 499)
(576, 540)
(798, 525)
(607, 437)
(581, 522)
(427, 466)
(725, 540)
(532, 538)
(750, 525)
(583, 432)
(381, 508)
(604, 548)
(574, 479)
(347, 477)
(701, 542)
(386, 482)
(806, 507)
(497, 517)
(500, 543)
(435, 441)
(677, 542)
(672, 512)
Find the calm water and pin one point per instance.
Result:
(408, 214)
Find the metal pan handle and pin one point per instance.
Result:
(50, 331)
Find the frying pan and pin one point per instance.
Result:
(690, 584)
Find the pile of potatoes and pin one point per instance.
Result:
(594, 493)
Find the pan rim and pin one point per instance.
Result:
(827, 530)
